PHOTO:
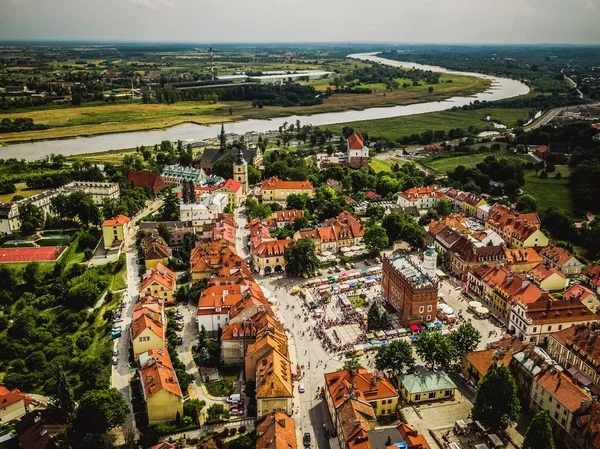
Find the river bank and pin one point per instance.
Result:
(500, 88)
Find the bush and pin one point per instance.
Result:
(558, 176)
(232, 431)
(225, 433)
(242, 429)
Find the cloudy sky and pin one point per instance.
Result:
(213, 21)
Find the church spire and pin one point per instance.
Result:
(239, 158)
(222, 138)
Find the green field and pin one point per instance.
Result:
(447, 163)
(551, 192)
(397, 127)
(384, 164)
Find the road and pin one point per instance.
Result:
(122, 373)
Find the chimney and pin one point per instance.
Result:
(281, 422)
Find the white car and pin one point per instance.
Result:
(301, 388)
(115, 352)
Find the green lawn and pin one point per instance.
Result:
(384, 164)
(223, 387)
(551, 192)
(447, 163)
(397, 127)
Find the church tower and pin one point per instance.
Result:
(222, 139)
(240, 171)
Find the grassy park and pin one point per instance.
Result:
(550, 191)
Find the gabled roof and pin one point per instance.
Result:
(424, 381)
(355, 142)
(274, 377)
(9, 397)
(272, 248)
(154, 247)
(354, 416)
(416, 193)
(540, 272)
(157, 374)
(276, 431)
(582, 339)
(548, 311)
(153, 181)
(147, 321)
(482, 360)
(119, 220)
(578, 291)
(231, 185)
(312, 234)
(556, 254)
(517, 256)
(287, 215)
(369, 386)
(412, 437)
(562, 389)
(159, 274)
(274, 183)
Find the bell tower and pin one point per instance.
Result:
(240, 171)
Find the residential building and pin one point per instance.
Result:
(214, 306)
(483, 212)
(536, 321)
(313, 235)
(482, 280)
(412, 438)
(216, 258)
(274, 390)
(115, 230)
(345, 230)
(160, 387)
(155, 250)
(423, 198)
(358, 152)
(100, 191)
(591, 276)
(147, 332)
(477, 363)
(426, 386)
(522, 260)
(542, 151)
(468, 203)
(271, 337)
(576, 349)
(466, 254)
(176, 175)
(234, 190)
(585, 295)
(178, 229)
(410, 291)
(274, 189)
(519, 230)
(14, 404)
(526, 364)
(286, 216)
(561, 259)
(276, 431)
(371, 388)
(159, 282)
(552, 391)
(352, 420)
(37, 427)
(205, 210)
(548, 278)
(150, 181)
(269, 256)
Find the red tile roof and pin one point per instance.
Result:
(8, 397)
(160, 274)
(556, 254)
(153, 181)
(562, 389)
(158, 374)
(412, 438)
(147, 321)
(231, 184)
(274, 183)
(546, 311)
(355, 142)
(272, 248)
(288, 215)
(578, 291)
(119, 220)
(420, 192)
(518, 256)
(274, 376)
(540, 272)
(276, 431)
(369, 386)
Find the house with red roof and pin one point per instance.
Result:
(159, 282)
(234, 191)
(13, 404)
(147, 331)
(146, 180)
(561, 259)
(585, 295)
(423, 198)
(274, 189)
(115, 230)
(358, 152)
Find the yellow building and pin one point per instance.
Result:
(147, 332)
(274, 391)
(115, 231)
(160, 387)
(529, 238)
(371, 387)
(522, 260)
(234, 190)
(155, 249)
(14, 404)
(426, 386)
(159, 282)
(311, 234)
(548, 278)
(269, 256)
(273, 189)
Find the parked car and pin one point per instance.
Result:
(378, 260)
(115, 360)
(117, 319)
(179, 316)
(233, 398)
(115, 352)
(306, 439)
(367, 263)
(179, 341)
(114, 335)
(301, 388)
(236, 411)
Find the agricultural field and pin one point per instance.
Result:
(550, 191)
(398, 127)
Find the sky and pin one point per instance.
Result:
(214, 21)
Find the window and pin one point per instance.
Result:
(534, 330)
(417, 397)
(428, 317)
(555, 415)
(421, 309)
(559, 326)
(563, 422)
(550, 399)
(549, 328)
(447, 393)
(429, 308)
(432, 395)
(141, 339)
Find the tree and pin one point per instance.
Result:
(170, 210)
(165, 232)
(100, 411)
(430, 89)
(444, 208)
(32, 215)
(216, 413)
(352, 361)
(62, 397)
(464, 339)
(400, 226)
(395, 357)
(374, 317)
(301, 223)
(385, 322)
(301, 258)
(224, 166)
(376, 239)
(539, 433)
(375, 211)
(496, 404)
(527, 203)
(543, 174)
(31, 273)
(434, 348)
(254, 175)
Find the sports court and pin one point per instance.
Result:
(41, 254)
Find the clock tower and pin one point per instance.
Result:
(240, 171)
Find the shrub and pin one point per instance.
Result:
(224, 432)
(232, 431)
(242, 429)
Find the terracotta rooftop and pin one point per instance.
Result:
(354, 416)
(562, 389)
(275, 183)
(145, 321)
(369, 386)
(274, 377)
(231, 185)
(154, 247)
(556, 254)
(157, 375)
(153, 181)
(287, 215)
(517, 256)
(160, 274)
(578, 291)
(276, 431)
(119, 220)
(545, 311)
(417, 193)
(482, 360)
(541, 272)
(412, 437)
(8, 397)
(355, 142)
(272, 248)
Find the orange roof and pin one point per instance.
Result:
(160, 274)
(520, 223)
(578, 291)
(8, 397)
(158, 374)
(412, 438)
(355, 142)
(582, 340)
(288, 215)
(354, 416)
(455, 221)
(312, 234)
(482, 360)
(217, 258)
(562, 389)
(542, 149)
(154, 247)
(148, 304)
(147, 321)
(547, 310)
(231, 184)
(540, 272)
(274, 377)
(276, 431)
(272, 248)
(556, 254)
(417, 193)
(274, 183)
(152, 181)
(518, 256)
(369, 386)
(119, 220)
(220, 296)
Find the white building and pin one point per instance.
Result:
(423, 198)
(209, 205)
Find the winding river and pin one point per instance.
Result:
(501, 88)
